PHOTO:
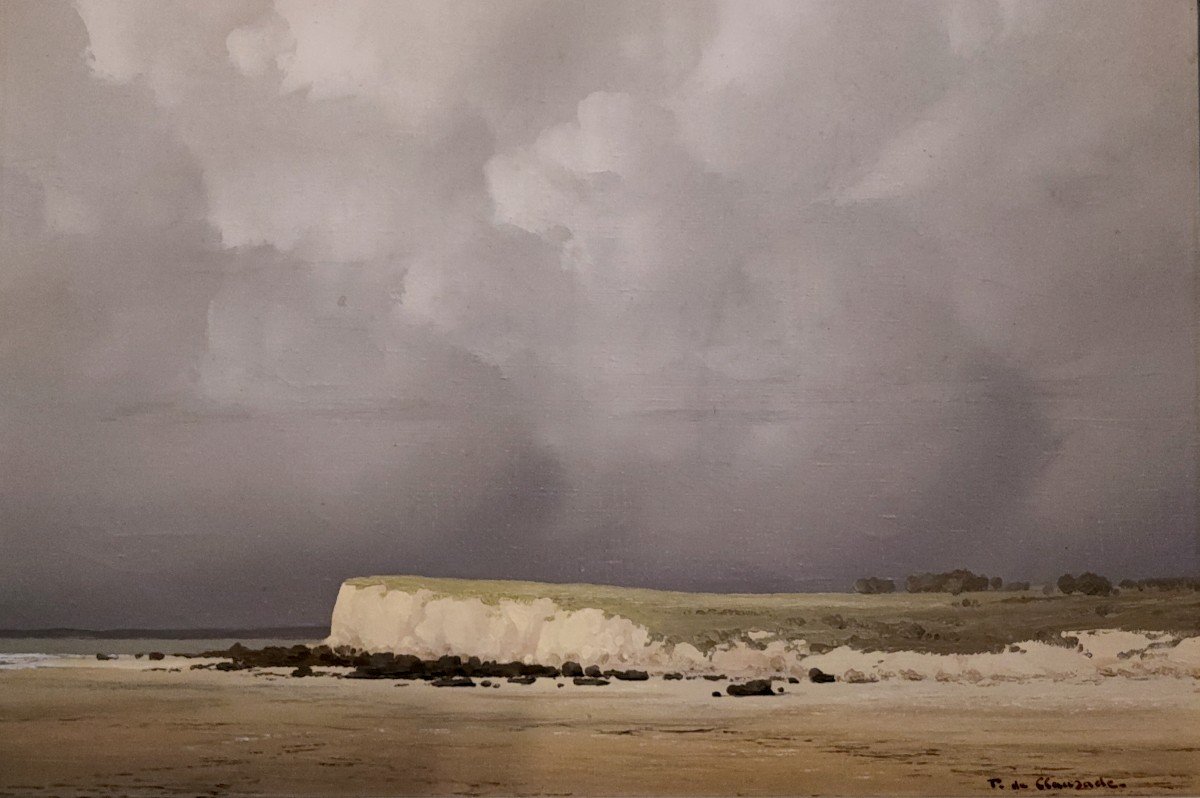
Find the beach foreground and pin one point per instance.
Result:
(106, 730)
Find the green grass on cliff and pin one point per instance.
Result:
(930, 622)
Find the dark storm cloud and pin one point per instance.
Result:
(723, 296)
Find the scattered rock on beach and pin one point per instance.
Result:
(453, 681)
(590, 681)
(593, 672)
(105, 657)
(715, 677)
(716, 694)
(750, 688)
(629, 676)
(572, 669)
(793, 680)
(522, 679)
(672, 676)
(820, 677)
(302, 671)
(858, 677)
(156, 655)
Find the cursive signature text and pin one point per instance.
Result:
(1057, 783)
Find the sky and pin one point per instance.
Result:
(702, 295)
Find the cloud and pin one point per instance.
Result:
(693, 295)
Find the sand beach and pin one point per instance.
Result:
(123, 728)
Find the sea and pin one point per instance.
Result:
(44, 649)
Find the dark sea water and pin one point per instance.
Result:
(28, 652)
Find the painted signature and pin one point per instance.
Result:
(1047, 783)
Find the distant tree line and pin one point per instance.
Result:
(960, 580)
(1162, 583)
(957, 581)
(1087, 583)
(1091, 584)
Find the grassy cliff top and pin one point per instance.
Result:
(934, 622)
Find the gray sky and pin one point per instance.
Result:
(751, 296)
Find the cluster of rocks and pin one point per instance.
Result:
(447, 671)
(154, 655)
(454, 671)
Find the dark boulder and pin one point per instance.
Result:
(448, 666)
(673, 676)
(302, 671)
(628, 676)
(593, 671)
(453, 681)
(590, 681)
(715, 677)
(572, 669)
(522, 679)
(820, 677)
(752, 687)
(105, 657)
(156, 655)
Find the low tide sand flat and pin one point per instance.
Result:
(100, 730)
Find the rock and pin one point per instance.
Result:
(779, 690)
(303, 670)
(156, 655)
(448, 666)
(593, 672)
(486, 683)
(716, 694)
(858, 677)
(629, 676)
(714, 677)
(496, 686)
(750, 688)
(549, 671)
(590, 681)
(402, 666)
(561, 685)
(793, 680)
(138, 655)
(522, 680)
(105, 657)
(572, 669)
(453, 681)
(672, 676)
(911, 675)
(820, 677)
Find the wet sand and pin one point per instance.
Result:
(129, 731)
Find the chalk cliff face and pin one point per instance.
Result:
(420, 622)
(429, 624)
